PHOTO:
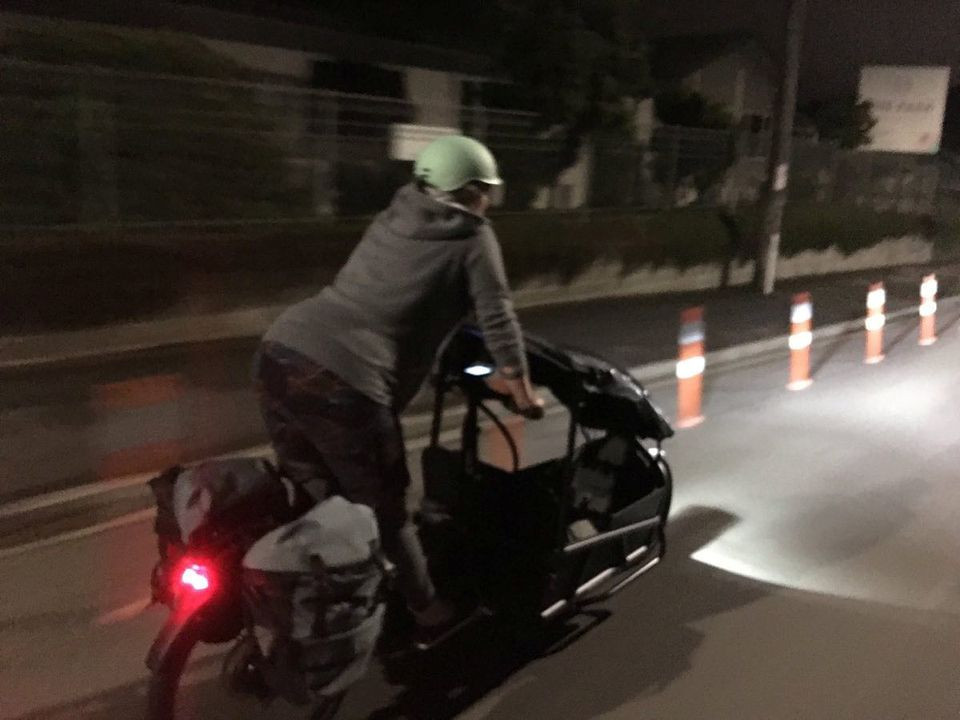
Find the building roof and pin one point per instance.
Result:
(676, 57)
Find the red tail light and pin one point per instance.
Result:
(195, 578)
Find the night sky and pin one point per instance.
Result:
(840, 35)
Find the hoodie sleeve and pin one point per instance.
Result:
(490, 293)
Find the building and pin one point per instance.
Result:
(732, 70)
(283, 50)
(353, 109)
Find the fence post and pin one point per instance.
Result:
(479, 129)
(325, 133)
(671, 192)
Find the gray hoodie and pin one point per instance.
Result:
(421, 267)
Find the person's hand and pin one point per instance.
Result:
(522, 398)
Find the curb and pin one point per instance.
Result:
(26, 352)
(155, 335)
(72, 512)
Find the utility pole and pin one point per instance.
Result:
(775, 188)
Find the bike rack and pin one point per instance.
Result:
(611, 535)
(562, 605)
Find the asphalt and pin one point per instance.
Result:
(811, 574)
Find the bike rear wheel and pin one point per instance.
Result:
(165, 696)
(165, 680)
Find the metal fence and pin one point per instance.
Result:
(821, 172)
(83, 145)
(89, 146)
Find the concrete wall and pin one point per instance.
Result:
(609, 280)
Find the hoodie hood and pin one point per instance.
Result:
(416, 215)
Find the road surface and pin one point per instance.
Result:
(812, 574)
(63, 426)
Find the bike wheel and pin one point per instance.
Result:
(165, 680)
(171, 697)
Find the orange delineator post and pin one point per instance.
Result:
(690, 367)
(928, 310)
(876, 319)
(119, 407)
(801, 338)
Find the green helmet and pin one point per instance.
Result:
(452, 161)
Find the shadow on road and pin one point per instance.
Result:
(949, 325)
(648, 642)
(822, 359)
(909, 330)
(659, 614)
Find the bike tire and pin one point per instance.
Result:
(165, 684)
(165, 680)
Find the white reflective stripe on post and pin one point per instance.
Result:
(928, 289)
(875, 322)
(691, 367)
(876, 298)
(928, 308)
(800, 340)
(692, 332)
(801, 313)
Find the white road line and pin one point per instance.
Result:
(103, 486)
(149, 513)
(124, 612)
(123, 520)
(64, 496)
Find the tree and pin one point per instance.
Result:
(679, 106)
(842, 120)
(572, 62)
(584, 75)
(96, 146)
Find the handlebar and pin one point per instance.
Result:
(479, 385)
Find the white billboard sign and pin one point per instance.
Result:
(908, 104)
(406, 141)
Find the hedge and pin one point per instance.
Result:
(94, 147)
